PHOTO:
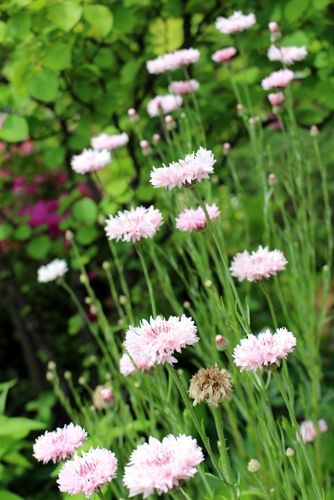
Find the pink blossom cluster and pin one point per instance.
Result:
(260, 264)
(286, 55)
(280, 78)
(183, 87)
(171, 61)
(164, 104)
(236, 23)
(308, 431)
(155, 341)
(134, 224)
(90, 161)
(109, 141)
(224, 55)
(59, 444)
(264, 350)
(194, 219)
(159, 466)
(186, 172)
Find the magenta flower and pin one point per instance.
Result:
(224, 55)
(286, 55)
(155, 341)
(236, 23)
(126, 366)
(276, 99)
(194, 219)
(164, 104)
(109, 142)
(174, 60)
(265, 350)
(90, 161)
(308, 431)
(260, 264)
(59, 444)
(134, 224)
(183, 87)
(159, 466)
(87, 473)
(280, 78)
(186, 172)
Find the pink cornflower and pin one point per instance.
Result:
(87, 473)
(194, 219)
(276, 99)
(59, 444)
(90, 161)
(286, 55)
(236, 23)
(109, 142)
(308, 431)
(183, 87)
(164, 104)
(126, 366)
(155, 341)
(103, 397)
(186, 172)
(171, 61)
(160, 466)
(134, 224)
(280, 78)
(262, 263)
(224, 55)
(264, 350)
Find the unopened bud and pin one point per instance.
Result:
(51, 365)
(132, 114)
(253, 465)
(156, 138)
(81, 380)
(226, 147)
(272, 179)
(67, 375)
(221, 343)
(186, 304)
(106, 265)
(122, 299)
(289, 452)
(207, 283)
(69, 235)
(314, 131)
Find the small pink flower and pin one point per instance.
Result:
(195, 219)
(236, 23)
(164, 104)
(190, 170)
(264, 350)
(308, 431)
(59, 444)
(273, 27)
(126, 366)
(226, 147)
(172, 61)
(260, 264)
(224, 55)
(109, 142)
(276, 99)
(287, 55)
(155, 341)
(160, 466)
(103, 397)
(87, 473)
(134, 224)
(183, 87)
(90, 161)
(156, 138)
(132, 114)
(144, 145)
(314, 131)
(280, 78)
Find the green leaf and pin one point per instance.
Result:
(19, 25)
(85, 210)
(43, 85)
(124, 19)
(14, 129)
(100, 19)
(39, 247)
(294, 9)
(8, 495)
(58, 56)
(18, 427)
(74, 324)
(5, 231)
(65, 15)
(86, 235)
(23, 232)
(3, 28)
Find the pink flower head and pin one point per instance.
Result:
(87, 473)
(172, 61)
(155, 341)
(194, 219)
(224, 55)
(134, 224)
(190, 170)
(273, 27)
(103, 397)
(308, 431)
(126, 366)
(287, 55)
(90, 161)
(109, 142)
(280, 78)
(159, 466)
(59, 444)
(236, 23)
(164, 104)
(276, 99)
(264, 350)
(262, 263)
(183, 87)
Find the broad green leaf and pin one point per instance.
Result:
(43, 85)
(14, 129)
(19, 25)
(8, 495)
(167, 34)
(5, 231)
(86, 235)
(23, 232)
(3, 28)
(100, 19)
(58, 56)
(65, 15)
(295, 9)
(39, 247)
(15, 458)
(124, 19)
(85, 210)
(18, 427)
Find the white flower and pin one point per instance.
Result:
(90, 161)
(50, 272)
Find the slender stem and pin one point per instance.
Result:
(224, 458)
(147, 278)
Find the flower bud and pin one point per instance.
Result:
(221, 342)
(289, 452)
(156, 138)
(226, 147)
(272, 179)
(314, 131)
(253, 465)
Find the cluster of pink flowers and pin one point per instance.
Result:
(155, 341)
(159, 466)
(278, 79)
(186, 172)
(174, 60)
(264, 350)
(308, 431)
(183, 87)
(258, 265)
(286, 55)
(236, 23)
(164, 104)
(194, 219)
(109, 142)
(90, 161)
(224, 55)
(134, 224)
(59, 444)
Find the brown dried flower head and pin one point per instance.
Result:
(211, 385)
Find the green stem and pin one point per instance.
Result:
(224, 458)
(147, 278)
